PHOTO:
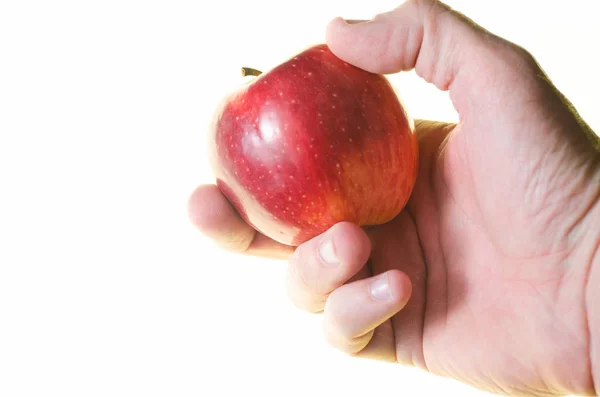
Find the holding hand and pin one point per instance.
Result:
(483, 276)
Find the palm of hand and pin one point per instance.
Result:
(486, 242)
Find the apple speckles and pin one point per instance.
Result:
(289, 198)
(293, 102)
(337, 165)
(309, 74)
(333, 106)
(237, 118)
(293, 65)
(304, 126)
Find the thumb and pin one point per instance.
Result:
(444, 47)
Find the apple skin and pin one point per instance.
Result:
(313, 142)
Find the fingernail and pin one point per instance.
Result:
(327, 253)
(380, 288)
(354, 21)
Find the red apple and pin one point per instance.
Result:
(313, 142)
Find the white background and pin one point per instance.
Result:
(105, 287)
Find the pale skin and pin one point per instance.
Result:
(487, 275)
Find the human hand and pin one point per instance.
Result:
(486, 268)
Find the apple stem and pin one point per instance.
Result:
(250, 72)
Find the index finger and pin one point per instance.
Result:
(210, 211)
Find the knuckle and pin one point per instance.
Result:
(523, 55)
(337, 320)
(518, 59)
(297, 270)
(339, 328)
(338, 339)
(237, 242)
(306, 303)
(300, 294)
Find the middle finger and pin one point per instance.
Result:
(325, 263)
